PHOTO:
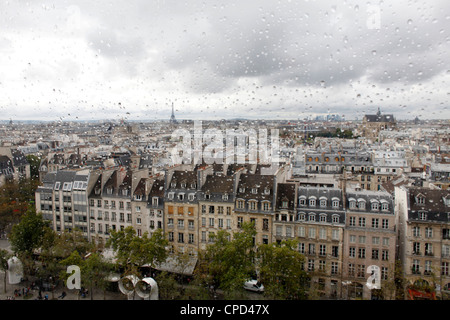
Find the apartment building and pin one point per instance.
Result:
(369, 240)
(320, 221)
(110, 202)
(181, 210)
(424, 221)
(63, 200)
(155, 205)
(216, 206)
(255, 199)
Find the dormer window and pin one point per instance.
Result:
(335, 203)
(225, 197)
(302, 201)
(267, 191)
(173, 184)
(361, 204)
(67, 186)
(323, 203)
(109, 190)
(241, 189)
(138, 197)
(312, 202)
(193, 185)
(375, 206)
(183, 185)
(254, 190)
(57, 185)
(420, 199)
(155, 201)
(284, 204)
(97, 191)
(207, 196)
(191, 197)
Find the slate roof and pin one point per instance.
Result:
(434, 206)
(248, 182)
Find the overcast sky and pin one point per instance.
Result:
(223, 59)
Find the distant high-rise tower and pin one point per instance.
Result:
(172, 117)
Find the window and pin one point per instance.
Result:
(301, 231)
(375, 254)
(375, 223)
(385, 255)
(265, 225)
(361, 253)
(362, 222)
(310, 264)
(323, 203)
(322, 233)
(312, 217)
(428, 232)
(252, 205)
(334, 234)
(322, 250)
(416, 248)
(352, 204)
(335, 203)
(362, 205)
(240, 204)
(444, 269)
(428, 249)
(323, 217)
(422, 215)
(352, 221)
(312, 202)
(415, 267)
(420, 199)
(240, 221)
(416, 231)
(334, 268)
(385, 224)
(312, 233)
(375, 206)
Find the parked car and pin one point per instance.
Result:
(253, 285)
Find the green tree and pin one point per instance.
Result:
(133, 252)
(227, 264)
(28, 234)
(94, 269)
(4, 256)
(281, 272)
(57, 247)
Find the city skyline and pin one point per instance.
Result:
(259, 60)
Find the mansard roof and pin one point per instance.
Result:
(218, 184)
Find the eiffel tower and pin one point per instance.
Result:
(172, 117)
